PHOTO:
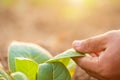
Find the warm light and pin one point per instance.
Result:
(75, 2)
(72, 9)
(76, 9)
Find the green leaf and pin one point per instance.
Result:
(69, 63)
(68, 54)
(27, 66)
(53, 71)
(19, 76)
(4, 75)
(65, 58)
(71, 67)
(26, 50)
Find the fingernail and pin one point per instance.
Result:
(76, 43)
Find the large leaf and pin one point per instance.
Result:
(53, 71)
(68, 54)
(4, 75)
(65, 58)
(27, 66)
(26, 50)
(69, 63)
(19, 76)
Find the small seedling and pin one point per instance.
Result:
(28, 61)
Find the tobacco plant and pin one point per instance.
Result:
(29, 61)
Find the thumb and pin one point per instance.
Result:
(91, 45)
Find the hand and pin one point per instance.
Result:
(103, 61)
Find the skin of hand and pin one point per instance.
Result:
(103, 61)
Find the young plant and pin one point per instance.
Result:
(28, 61)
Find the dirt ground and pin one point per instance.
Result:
(44, 26)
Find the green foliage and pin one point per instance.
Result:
(65, 58)
(27, 66)
(4, 75)
(67, 54)
(31, 62)
(25, 50)
(19, 76)
(53, 71)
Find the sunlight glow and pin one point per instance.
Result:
(75, 2)
(72, 9)
(76, 9)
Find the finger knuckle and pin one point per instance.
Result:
(91, 45)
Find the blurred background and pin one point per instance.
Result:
(55, 24)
